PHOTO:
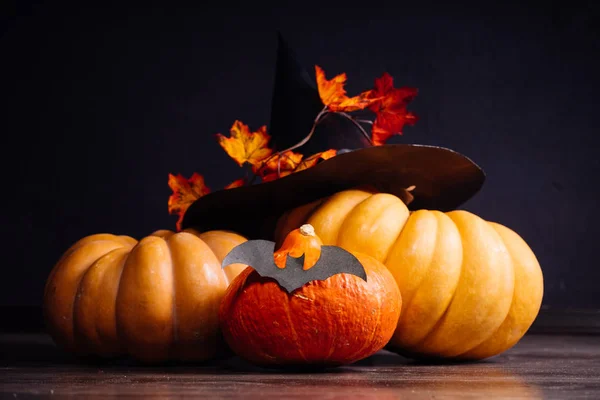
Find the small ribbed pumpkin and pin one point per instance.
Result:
(324, 323)
(470, 288)
(154, 300)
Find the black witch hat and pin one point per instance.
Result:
(296, 103)
(442, 178)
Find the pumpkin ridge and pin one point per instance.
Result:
(334, 335)
(512, 302)
(73, 310)
(376, 326)
(76, 301)
(117, 330)
(240, 287)
(146, 317)
(74, 247)
(231, 307)
(438, 322)
(345, 218)
(470, 224)
(382, 211)
(100, 237)
(101, 338)
(214, 240)
(256, 294)
(292, 329)
(508, 315)
(333, 199)
(390, 201)
(234, 286)
(128, 239)
(409, 300)
(514, 294)
(444, 315)
(174, 312)
(406, 304)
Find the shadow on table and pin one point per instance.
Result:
(34, 350)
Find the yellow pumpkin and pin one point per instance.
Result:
(470, 288)
(155, 300)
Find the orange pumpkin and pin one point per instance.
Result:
(155, 300)
(470, 288)
(328, 322)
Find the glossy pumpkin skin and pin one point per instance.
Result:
(470, 288)
(326, 323)
(154, 300)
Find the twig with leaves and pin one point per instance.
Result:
(251, 149)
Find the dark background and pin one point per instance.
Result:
(101, 103)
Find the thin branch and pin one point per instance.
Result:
(318, 119)
(322, 114)
(359, 126)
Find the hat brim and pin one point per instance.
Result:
(443, 180)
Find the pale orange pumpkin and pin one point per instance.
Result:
(471, 289)
(154, 300)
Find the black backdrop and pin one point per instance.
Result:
(100, 104)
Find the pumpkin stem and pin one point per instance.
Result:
(307, 230)
(301, 241)
(405, 194)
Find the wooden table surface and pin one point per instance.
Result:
(540, 366)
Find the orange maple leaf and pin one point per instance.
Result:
(244, 146)
(185, 192)
(390, 109)
(315, 158)
(237, 183)
(284, 163)
(333, 94)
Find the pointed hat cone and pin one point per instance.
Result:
(296, 103)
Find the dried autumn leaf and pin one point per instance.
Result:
(245, 146)
(237, 183)
(390, 109)
(333, 94)
(315, 158)
(185, 192)
(284, 163)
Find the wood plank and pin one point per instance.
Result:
(540, 366)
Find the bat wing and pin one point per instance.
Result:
(258, 254)
(293, 276)
(255, 253)
(339, 261)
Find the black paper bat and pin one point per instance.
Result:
(259, 255)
